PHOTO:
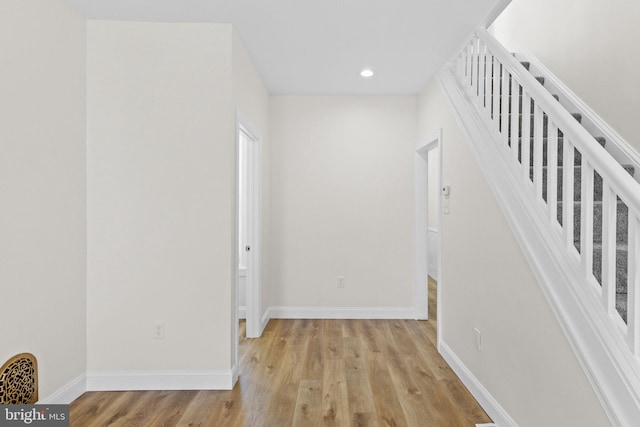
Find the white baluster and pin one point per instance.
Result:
(609, 209)
(468, 65)
(552, 172)
(525, 147)
(496, 93)
(478, 79)
(482, 69)
(474, 70)
(586, 218)
(504, 128)
(567, 192)
(515, 117)
(633, 286)
(488, 87)
(537, 150)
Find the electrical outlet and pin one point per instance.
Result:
(478, 338)
(341, 281)
(158, 330)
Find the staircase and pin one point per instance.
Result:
(622, 223)
(569, 194)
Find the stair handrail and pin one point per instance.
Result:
(621, 182)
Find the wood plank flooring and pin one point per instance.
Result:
(312, 373)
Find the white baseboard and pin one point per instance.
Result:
(242, 312)
(234, 376)
(341, 313)
(265, 319)
(68, 393)
(490, 405)
(161, 380)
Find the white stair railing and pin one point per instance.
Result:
(490, 74)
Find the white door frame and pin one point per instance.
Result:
(421, 188)
(254, 229)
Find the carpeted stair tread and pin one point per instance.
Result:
(629, 168)
(622, 218)
(621, 266)
(621, 247)
(621, 306)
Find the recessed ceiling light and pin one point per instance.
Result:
(366, 73)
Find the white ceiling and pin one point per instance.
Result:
(320, 47)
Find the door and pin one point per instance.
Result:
(248, 230)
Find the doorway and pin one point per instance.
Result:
(428, 183)
(248, 229)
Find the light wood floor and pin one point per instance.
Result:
(311, 373)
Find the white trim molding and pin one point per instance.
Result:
(434, 253)
(161, 380)
(265, 320)
(496, 412)
(493, 14)
(341, 313)
(68, 393)
(234, 375)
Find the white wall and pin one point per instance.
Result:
(342, 201)
(590, 45)
(526, 363)
(161, 161)
(42, 188)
